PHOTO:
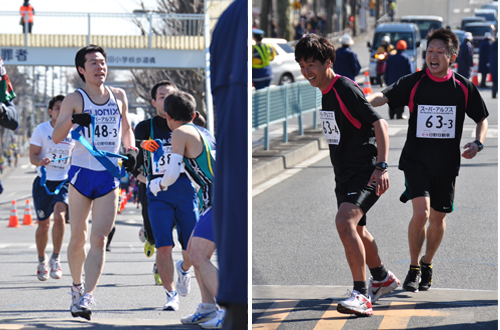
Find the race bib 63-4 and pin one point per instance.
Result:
(330, 128)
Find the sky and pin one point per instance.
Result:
(90, 6)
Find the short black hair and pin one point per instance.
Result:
(449, 38)
(167, 83)
(54, 100)
(180, 106)
(312, 46)
(82, 52)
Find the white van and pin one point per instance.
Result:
(396, 31)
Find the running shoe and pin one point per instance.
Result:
(82, 309)
(357, 304)
(142, 238)
(149, 249)
(183, 284)
(76, 294)
(55, 268)
(412, 279)
(42, 271)
(426, 279)
(172, 303)
(378, 288)
(215, 323)
(157, 275)
(201, 315)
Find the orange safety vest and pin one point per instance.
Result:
(29, 9)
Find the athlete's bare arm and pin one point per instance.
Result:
(377, 99)
(471, 148)
(35, 156)
(128, 138)
(73, 103)
(381, 178)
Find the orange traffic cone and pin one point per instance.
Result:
(123, 200)
(13, 220)
(27, 220)
(475, 79)
(489, 77)
(367, 86)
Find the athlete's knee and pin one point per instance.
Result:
(420, 215)
(164, 250)
(98, 240)
(437, 220)
(197, 257)
(78, 241)
(44, 226)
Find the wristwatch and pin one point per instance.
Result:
(479, 144)
(382, 166)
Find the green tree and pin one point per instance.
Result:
(284, 24)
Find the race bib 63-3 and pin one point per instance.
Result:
(436, 121)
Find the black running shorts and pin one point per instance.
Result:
(440, 189)
(357, 192)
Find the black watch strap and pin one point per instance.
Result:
(479, 144)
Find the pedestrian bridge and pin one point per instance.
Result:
(136, 40)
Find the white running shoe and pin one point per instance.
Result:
(55, 269)
(142, 238)
(200, 315)
(378, 288)
(76, 294)
(42, 271)
(172, 303)
(82, 309)
(356, 304)
(215, 323)
(183, 284)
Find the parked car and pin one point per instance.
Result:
(491, 5)
(285, 69)
(425, 24)
(489, 14)
(408, 32)
(460, 34)
(478, 30)
(471, 19)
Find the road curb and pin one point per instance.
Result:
(285, 155)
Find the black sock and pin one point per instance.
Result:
(379, 273)
(54, 256)
(360, 286)
(424, 263)
(41, 259)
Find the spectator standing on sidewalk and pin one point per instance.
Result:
(346, 63)
(465, 56)
(494, 67)
(262, 55)
(398, 65)
(27, 12)
(484, 58)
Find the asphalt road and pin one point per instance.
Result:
(126, 296)
(299, 267)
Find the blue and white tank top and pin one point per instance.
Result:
(107, 130)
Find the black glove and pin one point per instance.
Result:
(82, 119)
(129, 163)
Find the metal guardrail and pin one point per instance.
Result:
(279, 104)
(138, 30)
